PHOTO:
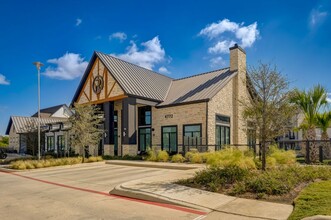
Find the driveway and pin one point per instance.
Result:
(81, 192)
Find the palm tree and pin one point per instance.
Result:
(310, 102)
(324, 122)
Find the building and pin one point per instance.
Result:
(143, 108)
(22, 130)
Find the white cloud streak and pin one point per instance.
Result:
(217, 62)
(152, 54)
(317, 16)
(78, 21)
(67, 67)
(3, 80)
(118, 35)
(164, 70)
(247, 35)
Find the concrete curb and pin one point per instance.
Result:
(136, 194)
(159, 165)
(161, 189)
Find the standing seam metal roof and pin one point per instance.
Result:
(141, 82)
(136, 80)
(24, 124)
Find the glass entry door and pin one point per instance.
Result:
(144, 139)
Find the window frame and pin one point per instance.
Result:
(167, 126)
(195, 124)
(139, 132)
(226, 124)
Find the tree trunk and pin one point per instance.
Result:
(311, 136)
(326, 145)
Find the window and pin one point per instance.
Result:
(115, 133)
(222, 135)
(169, 138)
(60, 142)
(222, 131)
(192, 135)
(144, 116)
(144, 139)
(50, 143)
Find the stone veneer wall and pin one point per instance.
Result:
(181, 114)
(221, 103)
(14, 139)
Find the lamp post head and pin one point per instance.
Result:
(38, 65)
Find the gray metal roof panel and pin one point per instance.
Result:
(136, 80)
(24, 124)
(199, 87)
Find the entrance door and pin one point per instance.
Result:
(144, 139)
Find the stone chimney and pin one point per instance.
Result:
(238, 64)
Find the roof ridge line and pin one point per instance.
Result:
(134, 64)
(199, 74)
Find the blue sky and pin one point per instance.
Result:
(178, 38)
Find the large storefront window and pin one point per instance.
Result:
(50, 143)
(169, 139)
(144, 139)
(192, 135)
(222, 131)
(60, 142)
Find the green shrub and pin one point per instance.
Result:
(177, 158)
(281, 156)
(162, 156)
(188, 155)
(196, 158)
(231, 157)
(92, 159)
(151, 154)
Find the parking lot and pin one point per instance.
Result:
(79, 192)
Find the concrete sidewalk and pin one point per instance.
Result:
(161, 189)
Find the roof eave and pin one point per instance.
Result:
(183, 103)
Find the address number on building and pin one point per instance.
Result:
(169, 116)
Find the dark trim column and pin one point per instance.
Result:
(129, 132)
(108, 108)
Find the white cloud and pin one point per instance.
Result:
(3, 80)
(78, 21)
(317, 16)
(67, 67)
(328, 99)
(152, 54)
(246, 34)
(221, 47)
(217, 62)
(118, 35)
(163, 69)
(215, 29)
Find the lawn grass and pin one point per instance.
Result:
(313, 200)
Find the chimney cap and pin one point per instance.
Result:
(236, 46)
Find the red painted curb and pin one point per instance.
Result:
(169, 206)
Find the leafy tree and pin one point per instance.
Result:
(324, 122)
(86, 129)
(310, 103)
(269, 112)
(4, 141)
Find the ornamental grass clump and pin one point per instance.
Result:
(151, 154)
(281, 156)
(178, 158)
(194, 156)
(162, 156)
(231, 157)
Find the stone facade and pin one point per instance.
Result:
(14, 139)
(178, 115)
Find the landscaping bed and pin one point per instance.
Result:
(50, 162)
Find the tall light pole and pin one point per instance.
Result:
(38, 65)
